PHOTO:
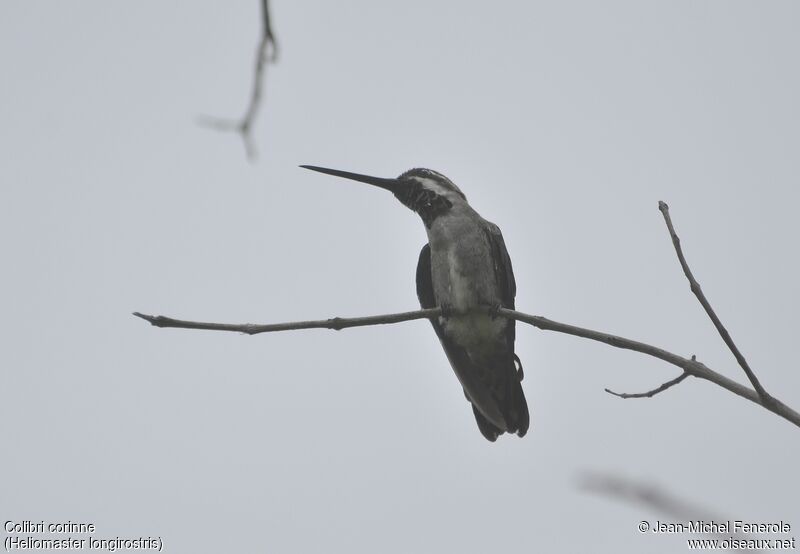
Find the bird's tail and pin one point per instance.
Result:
(518, 418)
(487, 428)
(512, 404)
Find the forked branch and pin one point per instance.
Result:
(690, 366)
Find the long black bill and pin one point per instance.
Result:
(387, 184)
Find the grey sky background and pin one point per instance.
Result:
(563, 122)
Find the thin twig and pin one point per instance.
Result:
(698, 292)
(650, 393)
(690, 366)
(267, 51)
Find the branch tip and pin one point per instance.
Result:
(145, 317)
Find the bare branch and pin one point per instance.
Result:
(335, 323)
(690, 366)
(698, 292)
(267, 52)
(650, 393)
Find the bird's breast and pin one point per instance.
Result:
(463, 278)
(457, 282)
(462, 268)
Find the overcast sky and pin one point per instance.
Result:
(564, 122)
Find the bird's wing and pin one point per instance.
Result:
(504, 275)
(515, 406)
(425, 291)
(503, 272)
(424, 281)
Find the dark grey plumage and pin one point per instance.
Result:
(465, 265)
(501, 371)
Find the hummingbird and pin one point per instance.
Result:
(463, 266)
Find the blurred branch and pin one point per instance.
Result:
(659, 500)
(267, 52)
(620, 488)
(690, 366)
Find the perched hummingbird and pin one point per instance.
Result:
(465, 265)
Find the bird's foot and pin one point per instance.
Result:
(447, 309)
(494, 311)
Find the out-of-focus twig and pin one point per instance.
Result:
(663, 503)
(645, 494)
(267, 52)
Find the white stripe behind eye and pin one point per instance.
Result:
(433, 185)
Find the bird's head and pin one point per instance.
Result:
(427, 192)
